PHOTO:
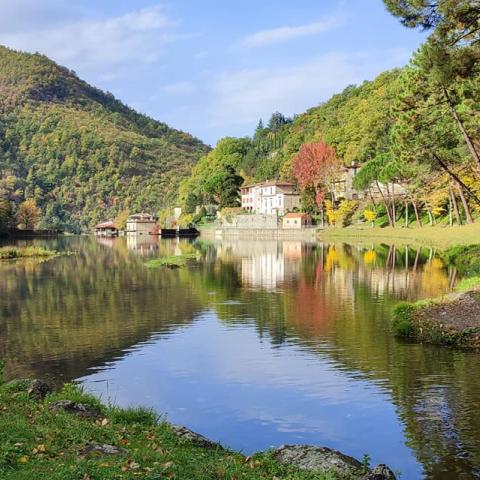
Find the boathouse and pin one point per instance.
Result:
(106, 229)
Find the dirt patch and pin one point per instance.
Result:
(459, 311)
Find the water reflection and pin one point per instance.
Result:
(259, 343)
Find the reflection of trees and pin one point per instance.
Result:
(441, 422)
(67, 314)
(62, 316)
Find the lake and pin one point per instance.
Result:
(255, 344)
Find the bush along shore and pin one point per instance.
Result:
(72, 435)
(12, 253)
(453, 320)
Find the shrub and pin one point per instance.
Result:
(402, 319)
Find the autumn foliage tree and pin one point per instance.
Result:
(27, 215)
(315, 167)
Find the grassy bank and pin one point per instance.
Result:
(437, 236)
(11, 253)
(41, 443)
(174, 261)
(452, 320)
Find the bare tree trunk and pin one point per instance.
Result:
(455, 207)
(457, 179)
(429, 212)
(450, 209)
(417, 216)
(394, 210)
(385, 203)
(372, 199)
(466, 208)
(461, 126)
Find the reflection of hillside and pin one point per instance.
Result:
(64, 316)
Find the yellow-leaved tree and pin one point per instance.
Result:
(27, 215)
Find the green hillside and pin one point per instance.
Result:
(402, 128)
(79, 153)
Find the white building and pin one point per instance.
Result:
(141, 224)
(270, 198)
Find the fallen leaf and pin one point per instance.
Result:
(23, 460)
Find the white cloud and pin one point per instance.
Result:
(283, 34)
(94, 44)
(242, 97)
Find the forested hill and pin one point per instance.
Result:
(79, 153)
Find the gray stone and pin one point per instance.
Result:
(380, 472)
(320, 459)
(76, 408)
(95, 449)
(199, 440)
(38, 389)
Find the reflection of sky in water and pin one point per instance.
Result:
(227, 384)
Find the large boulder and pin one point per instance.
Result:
(96, 449)
(38, 389)
(322, 459)
(199, 440)
(380, 472)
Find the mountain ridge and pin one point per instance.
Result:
(80, 153)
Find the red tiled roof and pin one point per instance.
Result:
(108, 224)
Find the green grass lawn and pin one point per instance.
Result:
(41, 444)
(437, 236)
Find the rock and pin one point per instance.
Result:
(95, 449)
(199, 440)
(38, 389)
(322, 459)
(77, 408)
(380, 472)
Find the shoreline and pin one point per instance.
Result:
(71, 435)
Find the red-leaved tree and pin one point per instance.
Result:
(316, 166)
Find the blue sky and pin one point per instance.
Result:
(213, 67)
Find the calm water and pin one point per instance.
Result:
(259, 343)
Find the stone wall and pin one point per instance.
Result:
(252, 222)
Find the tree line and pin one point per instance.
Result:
(417, 127)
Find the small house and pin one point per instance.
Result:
(297, 220)
(141, 224)
(106, 229)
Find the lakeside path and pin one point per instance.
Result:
(438, 236)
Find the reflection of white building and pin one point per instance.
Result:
(270, 198)
(142, 244)
(265, 264)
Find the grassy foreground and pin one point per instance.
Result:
(437, 236)
(11, 253)
(39, 443)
